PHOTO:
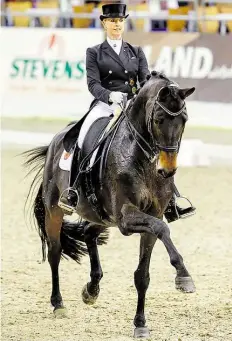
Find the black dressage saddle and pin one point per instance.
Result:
(94, 135)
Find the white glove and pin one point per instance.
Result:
(116, 97)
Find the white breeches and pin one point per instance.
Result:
(101, 109)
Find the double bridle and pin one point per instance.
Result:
(156, 146)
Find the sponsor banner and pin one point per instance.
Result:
(191, 59)
(43, 71)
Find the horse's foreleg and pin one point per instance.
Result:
(135, 221)
(91, 290)
(53, 224)
(142, 279)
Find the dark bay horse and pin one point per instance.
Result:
(137, 186)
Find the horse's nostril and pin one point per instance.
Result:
(162, 172)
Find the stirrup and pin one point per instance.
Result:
(66, 207)
(187, 214)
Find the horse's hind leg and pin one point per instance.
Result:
(53, 224)
(91, 290)
(142, 279)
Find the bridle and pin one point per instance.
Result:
(156, 147)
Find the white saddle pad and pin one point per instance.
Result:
(66, 161)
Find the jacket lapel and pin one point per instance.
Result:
(108, 49)
(124, 54)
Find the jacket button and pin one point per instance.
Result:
(126, 83)
(126, 71)
(110, 71)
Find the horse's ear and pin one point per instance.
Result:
(164, 93)
(154, 73)
(186, 92)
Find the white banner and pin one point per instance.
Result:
(43, 71)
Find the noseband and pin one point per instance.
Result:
(156, 146)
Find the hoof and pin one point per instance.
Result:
(141, 332)
(185, 284)
(60, 313)
(87, 298)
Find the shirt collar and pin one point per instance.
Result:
(112, 42)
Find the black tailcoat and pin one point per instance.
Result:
(107, 71)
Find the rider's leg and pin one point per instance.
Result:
(99, 110)
(174, 212)
(69, 198)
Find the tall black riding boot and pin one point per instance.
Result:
(174, 212)
(69, 198)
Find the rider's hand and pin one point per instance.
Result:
(116, 97)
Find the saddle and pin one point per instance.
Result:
(93, 167)
(93, 135)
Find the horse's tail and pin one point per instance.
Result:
(39, 214)
(72, 233)
(35, 158)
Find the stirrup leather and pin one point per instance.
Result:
(66, 207)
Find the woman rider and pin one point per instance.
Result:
(113, 69)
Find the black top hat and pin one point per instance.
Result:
(113, 11)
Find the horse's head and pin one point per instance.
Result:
(166, 116)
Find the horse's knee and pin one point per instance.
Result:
(124, 230)
(131, 214)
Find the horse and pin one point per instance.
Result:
(135, 191)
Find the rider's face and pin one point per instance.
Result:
(114, 27)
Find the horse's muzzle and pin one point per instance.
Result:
(167, 164)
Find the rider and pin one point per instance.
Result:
(113, 69)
